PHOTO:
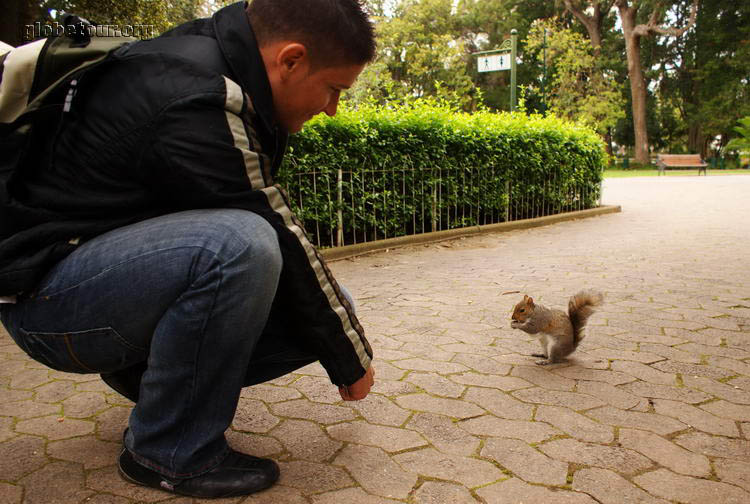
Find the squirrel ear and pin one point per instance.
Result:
(525, 297)
(531, 301)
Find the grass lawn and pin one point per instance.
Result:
(670, 173)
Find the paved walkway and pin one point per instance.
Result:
(654, 408)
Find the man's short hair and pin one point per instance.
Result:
(335, 32)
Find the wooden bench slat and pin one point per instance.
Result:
(680, 161)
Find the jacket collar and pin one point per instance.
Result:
(237, 42)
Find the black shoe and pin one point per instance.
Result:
(237, 475)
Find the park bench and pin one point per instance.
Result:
(664, 161)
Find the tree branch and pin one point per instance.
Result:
(653, 27)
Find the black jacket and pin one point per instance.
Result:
(183, 121)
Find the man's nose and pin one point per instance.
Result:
(333, 104)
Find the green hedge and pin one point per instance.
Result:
(425, 167)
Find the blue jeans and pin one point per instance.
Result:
(188, 294)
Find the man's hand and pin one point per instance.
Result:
(359, 389)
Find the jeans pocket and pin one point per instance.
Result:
(100, 350)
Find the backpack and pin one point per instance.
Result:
(37, 86)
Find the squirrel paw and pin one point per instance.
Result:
(542, 362)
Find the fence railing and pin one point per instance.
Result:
(350, 206)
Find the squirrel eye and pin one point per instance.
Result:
(523, 310)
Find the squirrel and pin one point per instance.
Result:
(558, 332)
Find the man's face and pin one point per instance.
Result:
(306, 93)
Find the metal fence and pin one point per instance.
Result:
(344, 206)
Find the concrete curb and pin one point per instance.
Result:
(337, 253)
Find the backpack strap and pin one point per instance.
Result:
(19, 67)
(31, 71)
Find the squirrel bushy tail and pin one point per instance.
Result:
(580, 308)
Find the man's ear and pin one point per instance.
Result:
(291, 58)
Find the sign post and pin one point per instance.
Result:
(503, 58)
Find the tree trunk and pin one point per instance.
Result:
(637, 83)
(695, 138)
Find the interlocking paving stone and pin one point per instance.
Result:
(55, 391)
(440, 309)
(555, 380)
(612, 395)
(488, 425)
(429, 462)
(433, 492)
(726, 409)
(28, 409)
(277, 494)
(526, 462)
(270, 393)
(693, 369)
(653, 390)
(111, 423)
(444, 434)
(302, 408)
(594, 375)
(616, 458)
(6, 430)
(253, 416)
(66, 478)
(353, 495)
(610, 488)
(317, 389)
(108, 481)
(313, 477)
(572, 400)
(448, 407)
(21, 455)
(647, 421)
(84, 404)
(376, 472)
(29, 378)
(576, 425)
(389, 439)
(499, 403)
(690, 490)
(88, 451)
(665, 453)
(733, 471)
(715, 446)
(378, 409)
(419, 364)
(254, 444)
(644, 372)
(55, 427)
(515, 491)
(435, 384)
(731, 392)
(10, 494)
(305, 440)
(696, 417)
(506, 383)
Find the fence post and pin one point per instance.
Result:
(339, 211)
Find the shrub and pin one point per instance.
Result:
(424, 167)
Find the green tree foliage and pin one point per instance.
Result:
(419, 55)
(579, 89)
(741, 142)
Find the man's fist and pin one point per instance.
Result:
(359, 389)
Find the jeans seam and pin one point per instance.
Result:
(195, 358)
(43, 294)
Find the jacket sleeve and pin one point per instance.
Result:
(205, 154)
